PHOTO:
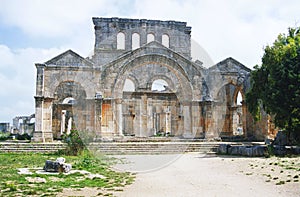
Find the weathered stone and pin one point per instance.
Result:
(296, 150)
(279, 150)
(233, 150)
(281, 139)
(51, 166)
(247, 151)
(57, 166)
(190, 96)
(61, 160)
(66, 167)
(259, 151)
(223, 148)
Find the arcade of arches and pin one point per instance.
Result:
(142, 82)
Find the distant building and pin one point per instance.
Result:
(4, 127)
(23, 124)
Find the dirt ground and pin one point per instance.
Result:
(195, 174)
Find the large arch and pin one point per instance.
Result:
(228, 112)
(68, 115)
(151, 112)
(185, 89)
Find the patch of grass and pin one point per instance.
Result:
(280, 183)
(13, 184)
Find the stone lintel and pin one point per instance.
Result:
(39, 65)
(124, 23)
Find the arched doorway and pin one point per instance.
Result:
(160, 103)
(237, 114)
(68, 108)
(150, 112)
(229, 111)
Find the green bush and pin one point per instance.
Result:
(4, 136)
(75, 145)
(24, 136)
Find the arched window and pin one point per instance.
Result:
(128, 86)
(239, 98)
(165, 40)
(32, 120)
(159, 85)
(69, 101)
(121, 40)
(150, 38)
(135, 41)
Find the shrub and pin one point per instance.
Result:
(75, 145)
(4, 136)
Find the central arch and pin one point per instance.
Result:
(145, 112)
(183, 88)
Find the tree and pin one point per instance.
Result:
(275, 85)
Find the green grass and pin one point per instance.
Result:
(13, 184)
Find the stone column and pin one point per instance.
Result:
(234, 119)
(187, 121)
(38, 127)
(98, 116)
(63, 121)
(150, 125)
(47, 120)
(69, 128)
(209, 122)
(119, 117)
(244, 118)
(40, 79)
(143, 112)
(154, 123)
(137, 118)
(38, 135)
(168, 121)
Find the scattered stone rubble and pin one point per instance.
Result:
(250, 151)
(57, 166)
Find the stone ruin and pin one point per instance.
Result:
(141, 81)
(23, 124)
(57, 166)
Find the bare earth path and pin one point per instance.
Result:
(196, 174)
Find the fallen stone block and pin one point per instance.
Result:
(259, 151)
(57, 166)
(223, 148)
(233, 150)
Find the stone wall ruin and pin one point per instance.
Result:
(88, 93)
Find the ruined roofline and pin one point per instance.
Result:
(143, 22)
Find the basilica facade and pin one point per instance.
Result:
(141, 81)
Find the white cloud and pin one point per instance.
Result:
(49, 18)
(17, 79)
(228, 28)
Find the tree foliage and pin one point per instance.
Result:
(275, 85)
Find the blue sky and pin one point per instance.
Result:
(34, 31)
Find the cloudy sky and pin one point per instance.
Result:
(34, 31)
